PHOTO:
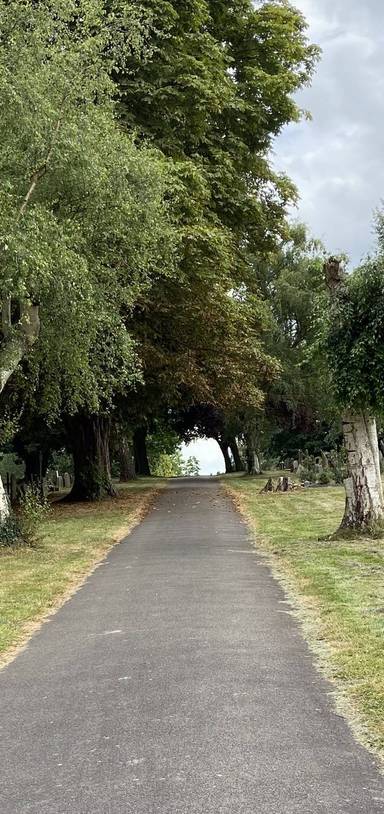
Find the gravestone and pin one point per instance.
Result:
(55, 479)
(67, 480)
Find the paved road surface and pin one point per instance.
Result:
(175, 682)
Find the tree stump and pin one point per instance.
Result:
(284, 485)
(269, 487)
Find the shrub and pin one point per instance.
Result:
(325, 478)
(309, 475)
(34, 509)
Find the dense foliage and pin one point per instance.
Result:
(83, 222)
(355, 339)
(138, 205)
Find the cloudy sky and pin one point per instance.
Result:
(337, 159)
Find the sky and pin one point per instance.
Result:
(337, 159)
(207, 453)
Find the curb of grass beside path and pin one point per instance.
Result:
(76, 577)
(312, 613)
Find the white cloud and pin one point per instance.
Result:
(336, 160)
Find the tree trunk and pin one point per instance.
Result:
(4, 504)
(227, 460)
(89, 440)
(239, 466)
(140, 452)
(18, 338)
(253, 460)
(126, 460)
(364, 507)
(16, 342)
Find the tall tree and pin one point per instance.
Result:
(216, 91)
(83, 221)
(354, 344)
(299, 405)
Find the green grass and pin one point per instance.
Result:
(337, 587)
(33, 581)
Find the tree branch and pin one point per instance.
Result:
(17, 339)
(40, 171)
(334, 273)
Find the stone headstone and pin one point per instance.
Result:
(60, 483)
(53, 476)
(67, 480)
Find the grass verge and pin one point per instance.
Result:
(34, 582)
(337, 589)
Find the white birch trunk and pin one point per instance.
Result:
(364, 506)
(4, 504)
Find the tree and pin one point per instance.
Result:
(218, 88)
(216, 91)
(191, 468)
(299, 406)
(83, 220)
(169, 465)
(355, 348)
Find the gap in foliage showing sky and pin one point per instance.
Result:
(207, 452)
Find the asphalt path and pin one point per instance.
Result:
(177, 682)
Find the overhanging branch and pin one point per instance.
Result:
(18, 338)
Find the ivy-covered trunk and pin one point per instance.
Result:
(364, 506)
(140, 452)
(239, 466)
(89, 438)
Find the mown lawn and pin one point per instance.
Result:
(337, 587)
(33, 581)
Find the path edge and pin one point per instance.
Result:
(145, 505)
(304, 613)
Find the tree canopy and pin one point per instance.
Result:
(84, 224)
(137, 191)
